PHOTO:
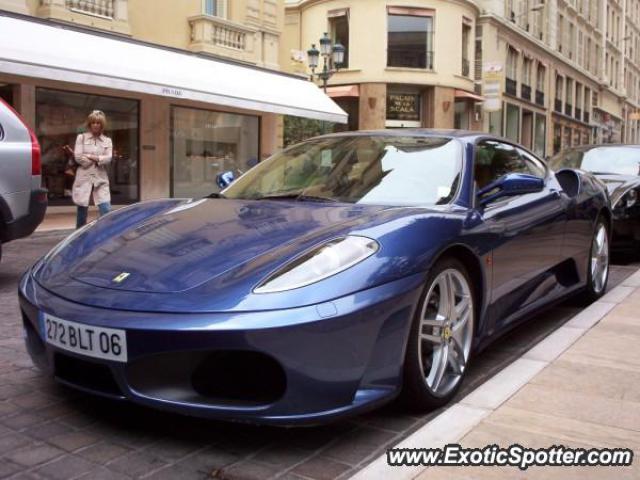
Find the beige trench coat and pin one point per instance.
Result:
(90, 176)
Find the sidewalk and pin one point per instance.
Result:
(580, 387)
(63, 221)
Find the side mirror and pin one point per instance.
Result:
(224, 179)
(508, 185)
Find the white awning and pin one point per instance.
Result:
(40, 50)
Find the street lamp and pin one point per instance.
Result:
(535, 8)
(336, 51)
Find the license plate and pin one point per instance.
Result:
(98, 342)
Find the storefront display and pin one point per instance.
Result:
(61, 116)
(206, 143)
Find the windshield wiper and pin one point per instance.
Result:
(216, 195)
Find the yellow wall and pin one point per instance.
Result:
(166, 23)
(368, 40)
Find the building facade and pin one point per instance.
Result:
(549, 74)
(166, 142)
(407, 63)
(568, 71)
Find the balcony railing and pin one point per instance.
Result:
(223, 37)
(108, 15)
(525, 92)
(540, 97)
(578, 113)
(228, 37)
(465, 67)
(568, 108)
(558, 105)
(511, 87)
(587, 118)
(98, 8)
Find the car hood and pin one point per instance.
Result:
(618, 185)
(185, 246)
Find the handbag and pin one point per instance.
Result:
(72, 165)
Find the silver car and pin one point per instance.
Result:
(23, 202)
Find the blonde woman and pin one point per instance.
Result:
(92, 153)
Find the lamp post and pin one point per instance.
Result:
(536, 8)
(336, 51)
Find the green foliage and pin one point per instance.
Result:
(297, 129)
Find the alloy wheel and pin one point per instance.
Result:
(446, 331)
(599, 258)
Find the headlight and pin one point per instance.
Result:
(630, 198)
(70, 238)
(321, 262)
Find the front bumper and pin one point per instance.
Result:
(26, 225)
(298, 366)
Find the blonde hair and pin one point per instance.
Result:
(97, 116)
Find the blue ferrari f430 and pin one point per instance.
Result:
(333, 277)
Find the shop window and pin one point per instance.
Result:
(410, 38)
(339, 28)
(495, 123)
(461, 115)
(206, 143)
(512, 122)
(61, 116)
(540, 135)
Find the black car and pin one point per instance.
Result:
(618, 166)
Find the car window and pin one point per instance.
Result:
(363, 169)
(495, 159)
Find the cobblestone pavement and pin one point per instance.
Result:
(49, 431)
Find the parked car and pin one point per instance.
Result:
(327, 280)
(22, 200)
(618, 166)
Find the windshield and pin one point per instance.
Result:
(375, 170)
(618, 160)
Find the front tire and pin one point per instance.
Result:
(598, 268)
(441, 337)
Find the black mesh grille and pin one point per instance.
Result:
(89, 375)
